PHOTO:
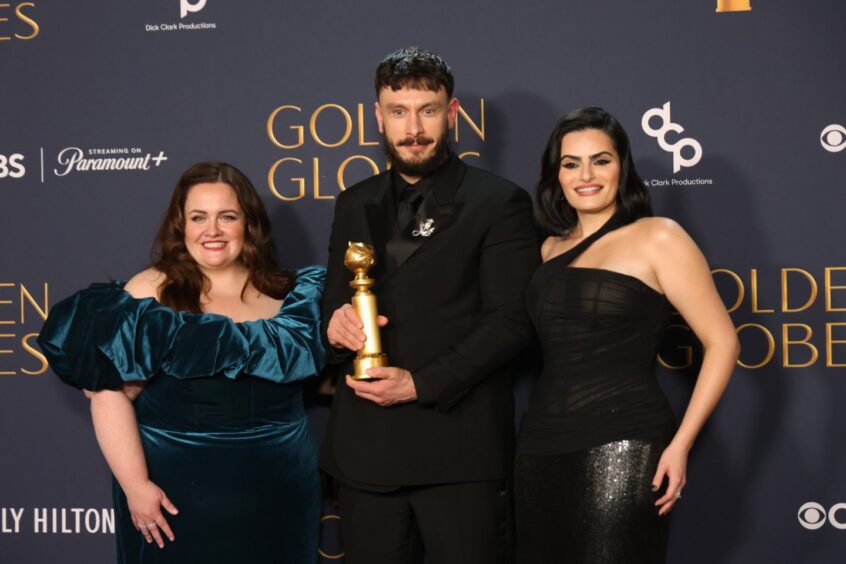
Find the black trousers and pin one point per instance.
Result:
(467, 523)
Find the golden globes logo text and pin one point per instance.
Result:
(775, 305)
(346, 138)
(18, 22)
(23, 308)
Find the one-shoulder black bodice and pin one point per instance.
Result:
(599, 331)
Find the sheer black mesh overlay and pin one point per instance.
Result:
(599, 331)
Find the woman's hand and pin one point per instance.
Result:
(673, 467)
(145, 501)
(117, 432)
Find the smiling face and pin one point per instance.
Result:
(415, 124)
(214, 225)
(590, 171)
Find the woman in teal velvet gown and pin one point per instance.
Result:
(194, 371)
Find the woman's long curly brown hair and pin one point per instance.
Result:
(184, 281)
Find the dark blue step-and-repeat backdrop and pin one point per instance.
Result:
(736, 115)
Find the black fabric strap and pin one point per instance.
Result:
(616, 221)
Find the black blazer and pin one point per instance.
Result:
(456, 309)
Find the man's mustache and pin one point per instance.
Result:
(419, 140)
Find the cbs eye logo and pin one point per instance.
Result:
(812, 516)
(833, 138)
(12, 166)
(667, 124)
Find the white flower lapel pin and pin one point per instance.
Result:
(425, 229)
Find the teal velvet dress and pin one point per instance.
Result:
(221, 417)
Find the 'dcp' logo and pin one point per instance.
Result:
(186, 6)
(833, 138)
(679, 160)
(812, 515)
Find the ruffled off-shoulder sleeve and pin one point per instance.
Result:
(102, 337)
(290, 342)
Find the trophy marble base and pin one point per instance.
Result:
(364, 361)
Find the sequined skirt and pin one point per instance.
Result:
(590, 507)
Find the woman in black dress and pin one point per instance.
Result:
(600, 458)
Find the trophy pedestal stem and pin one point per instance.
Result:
(368, 360)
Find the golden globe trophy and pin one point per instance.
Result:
(360, 258)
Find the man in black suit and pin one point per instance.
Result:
(423, 453)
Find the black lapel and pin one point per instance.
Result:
(435, 215)
(381, 220)
(444, 191)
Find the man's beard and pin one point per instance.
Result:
(417, 168)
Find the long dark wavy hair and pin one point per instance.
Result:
(553, 213)
(184, 282)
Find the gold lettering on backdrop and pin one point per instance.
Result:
(754, 284)
(320, 551)
(27, 297)
(361, 141)
(741, 290)
(787, 343)
(316, 173)
(286, 128)
(829, 288)
(812, 297)
(733, 5)
(296, 128)
(830, 341)
(27, 341)
(479, 130)
(6, 302)
(687, 350)
(770, 345)
(27, 20)
(23, 18)
(2, 20)
(799, 290)
(341, 169)
(312, 125)
(271, 180)
(7, 351)
(34, 352)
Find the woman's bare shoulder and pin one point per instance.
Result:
(145, 284)
(658, 232)
(665, 240)
(657, 227)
